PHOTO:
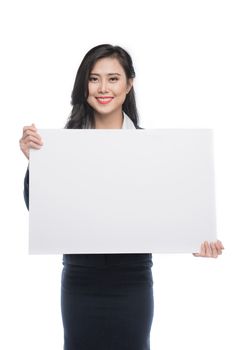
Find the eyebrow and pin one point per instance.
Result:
(107, 74)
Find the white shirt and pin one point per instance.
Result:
(127, 122)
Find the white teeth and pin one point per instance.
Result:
(104, 98)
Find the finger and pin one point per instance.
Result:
(218, 247)
(32, 136)
(30, 127)
(196, 254)
(207, 249)
(29, 131)
(220, 244)
(32, 144)
(202, 250)
(28, 134)
(26, 143)
(33, 139)
(214, 251)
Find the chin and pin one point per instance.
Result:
(104, 110)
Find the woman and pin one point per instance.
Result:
(106, 299)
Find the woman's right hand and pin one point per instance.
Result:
(30, 139)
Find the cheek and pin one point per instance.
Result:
(91, 90)
(120, 90)
(90, 97)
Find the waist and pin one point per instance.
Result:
(99, 260)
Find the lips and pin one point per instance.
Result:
(104, 99)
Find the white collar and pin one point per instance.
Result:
(127, 122)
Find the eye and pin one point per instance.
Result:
(94, 79)
(114, 79)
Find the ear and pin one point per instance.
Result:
(129, 85)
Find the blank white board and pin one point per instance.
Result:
(121, 191)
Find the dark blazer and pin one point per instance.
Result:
(96, 259)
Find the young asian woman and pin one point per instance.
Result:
(107, 300)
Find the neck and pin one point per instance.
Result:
(109, 121)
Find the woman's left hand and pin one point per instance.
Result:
(210, 250)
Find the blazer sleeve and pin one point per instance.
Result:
(26, 188)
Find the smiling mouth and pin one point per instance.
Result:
(104, 100)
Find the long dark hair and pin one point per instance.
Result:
(82, 113)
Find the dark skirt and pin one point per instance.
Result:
(107, 301)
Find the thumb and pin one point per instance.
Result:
(196, 254)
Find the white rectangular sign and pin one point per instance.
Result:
(121, 191)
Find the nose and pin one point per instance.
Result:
(103, 86)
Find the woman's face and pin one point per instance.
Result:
(108, 86)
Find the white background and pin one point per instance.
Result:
(183, 55)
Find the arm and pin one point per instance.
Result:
(29, 139)
(26, 188)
